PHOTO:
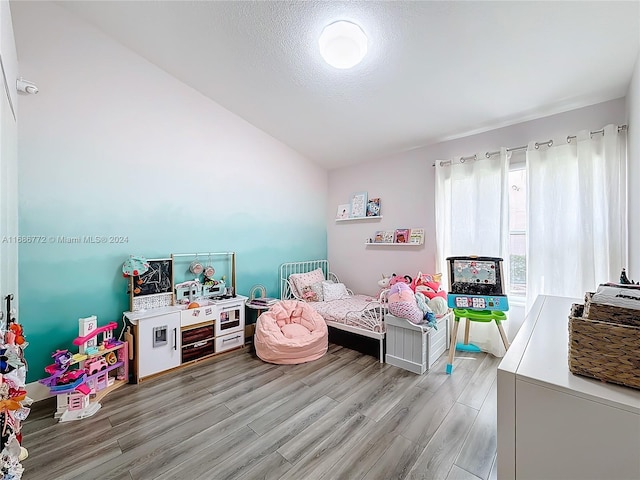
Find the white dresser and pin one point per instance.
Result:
(556, 425)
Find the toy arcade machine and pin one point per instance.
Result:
(476, 293)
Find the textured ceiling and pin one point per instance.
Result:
(435, 70)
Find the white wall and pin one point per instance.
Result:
(633, 120)
(406, 182)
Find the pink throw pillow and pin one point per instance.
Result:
(300, 280)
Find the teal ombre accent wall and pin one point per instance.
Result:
(162, 166)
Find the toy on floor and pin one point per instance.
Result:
(476, 293)
(77, 379)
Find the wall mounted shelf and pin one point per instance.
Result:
(358, 218)
(395, 244)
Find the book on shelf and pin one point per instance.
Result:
(417, 236)
(373, 207)
(383, 236)
(401, 235)
(263, 301)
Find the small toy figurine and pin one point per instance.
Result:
(624, 280)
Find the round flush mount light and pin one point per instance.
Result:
(343, 44)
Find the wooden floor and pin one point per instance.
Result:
(345, 416)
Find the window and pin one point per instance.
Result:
(518, 230)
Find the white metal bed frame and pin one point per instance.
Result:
(372, 317)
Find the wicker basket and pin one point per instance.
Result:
(605, 313)
(603, 348)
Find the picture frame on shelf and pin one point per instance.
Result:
(343, 211)
(358, 205)
(373, 207)
(379, 237)
(401, 235)
(417, 236)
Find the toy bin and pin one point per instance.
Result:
(415, 347)
(604, 343)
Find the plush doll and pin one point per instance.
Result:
(383, 284)
(428, 285)
(402, 303)
(395, 279)
(309, 295)
(438, 305)
(428, 315)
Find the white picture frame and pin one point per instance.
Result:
(343, 211)
(358, 205)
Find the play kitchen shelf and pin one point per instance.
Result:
(204, 318)
(170, 337)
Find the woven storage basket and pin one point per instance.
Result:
(604, 349)
(608, 313)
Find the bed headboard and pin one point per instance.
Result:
(287, 269)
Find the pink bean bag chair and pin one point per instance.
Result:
(291, 332)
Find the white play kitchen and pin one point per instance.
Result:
(183, 309)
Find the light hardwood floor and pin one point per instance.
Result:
(344, 416)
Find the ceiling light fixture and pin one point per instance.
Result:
(343, 44)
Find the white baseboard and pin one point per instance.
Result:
(36, 391)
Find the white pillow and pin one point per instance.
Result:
(333, 291)
(300, 280)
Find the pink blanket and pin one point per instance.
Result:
(290, 332)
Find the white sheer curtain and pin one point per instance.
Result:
(577, 214)
(472, 218)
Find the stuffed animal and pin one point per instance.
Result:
(429, 316)
(309, 295)
(384, 283)
(395, 279)
(402, 303)
(438, 305)
(428, 285)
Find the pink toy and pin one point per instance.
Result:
(428, 285)
(107, 328)
(402, 303)
(397, 279)
(95, 365)
(400, 292)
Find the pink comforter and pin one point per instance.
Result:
(290, 332)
